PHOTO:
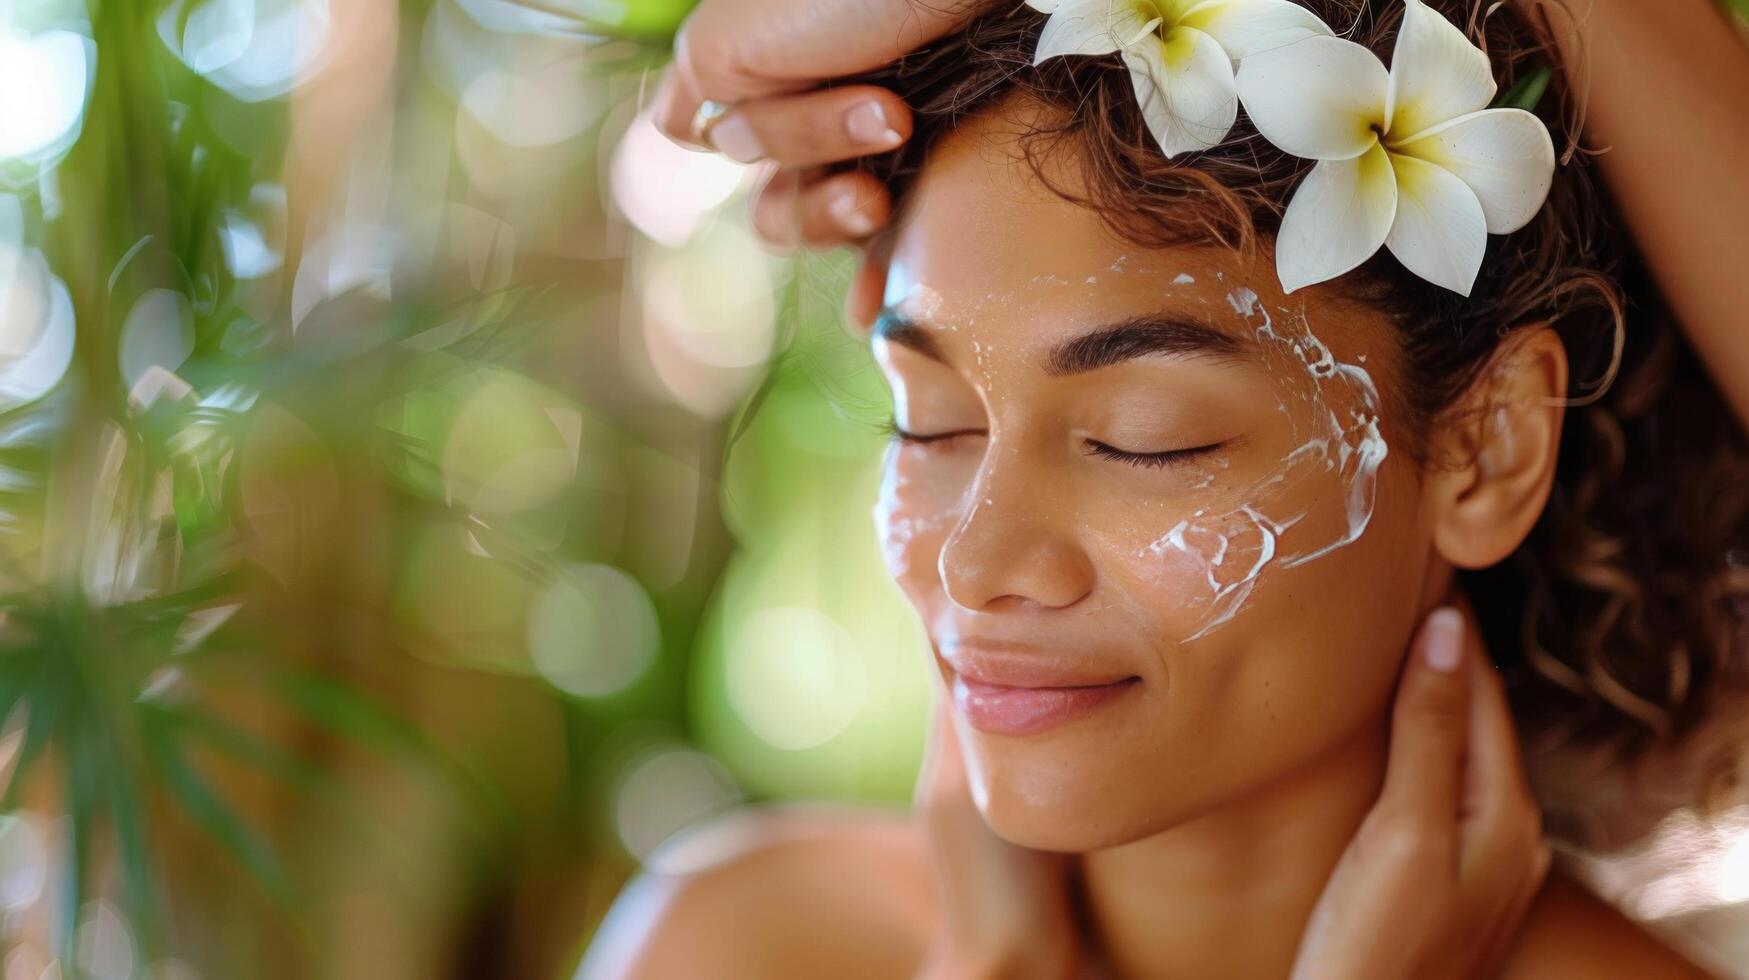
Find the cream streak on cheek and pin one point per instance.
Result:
(904, 512)
(1218, 555)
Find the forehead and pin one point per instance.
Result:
(986, 251)
(981, 229)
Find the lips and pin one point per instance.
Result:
(1025, 710)
(1014, 691)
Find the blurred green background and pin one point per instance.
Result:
(419, 494)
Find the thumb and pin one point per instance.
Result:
(1430, 723)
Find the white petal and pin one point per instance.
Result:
(1316, 98)
(1185, 87)
(1337, 219)
(1044, 6)
(1439, 233)
(1436, 73)
(1090, 27)
(1505, 156)
(1245, 27)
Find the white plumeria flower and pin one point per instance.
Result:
(1180, 54)
(1408, 159)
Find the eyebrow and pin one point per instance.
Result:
(1148, 335)
(895, 328)
(1155, 334)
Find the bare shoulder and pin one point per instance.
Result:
(1573, 933)
(777, 891)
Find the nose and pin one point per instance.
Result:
(1014, 543)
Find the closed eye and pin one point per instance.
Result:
(1171, 457)
(918, 438)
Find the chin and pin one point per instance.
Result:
(1065, 829)
(1063, 811)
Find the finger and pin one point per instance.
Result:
(843, 208)
(673, 107)
(1430, 725)
(1494, 779)
(1502, 823)
(730, 53)
(994, 894)
(863, 302)
(821, 213)
(814, 128)
(777, 208)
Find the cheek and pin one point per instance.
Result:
(1307, 663)
(1183, 571)
(1302, 494)
(1324, 639)
(1316, 640)
(918, 504)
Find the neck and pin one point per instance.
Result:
(1228, 893)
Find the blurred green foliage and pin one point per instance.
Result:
(406, 543)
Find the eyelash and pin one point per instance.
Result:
(901, 435)
(1171, 457)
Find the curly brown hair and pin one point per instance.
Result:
(1616, 621)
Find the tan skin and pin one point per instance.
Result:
(1210, 802)
(1452, 837)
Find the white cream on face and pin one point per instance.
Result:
(1319, 497)
(904, 509)
(1231, 547)
(902, 512)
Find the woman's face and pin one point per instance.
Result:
(1143, 503)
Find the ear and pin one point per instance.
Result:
(1494, 451)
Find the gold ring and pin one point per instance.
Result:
(706, 118)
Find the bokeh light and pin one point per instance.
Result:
(36, 325)
(665, 190)
(105, 943)
(535, 102)
(253, 49)
(795, 676)
(465, 607)
(512, 446)
(709, 317)
(593, 631)
(43, 83)
(665, 789)
(159, 332)
(24, 861)
(253, 236)
(357, 256)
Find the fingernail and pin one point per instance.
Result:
(735, 139)
(1444, 643)
(867, 124)
(847, 211)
